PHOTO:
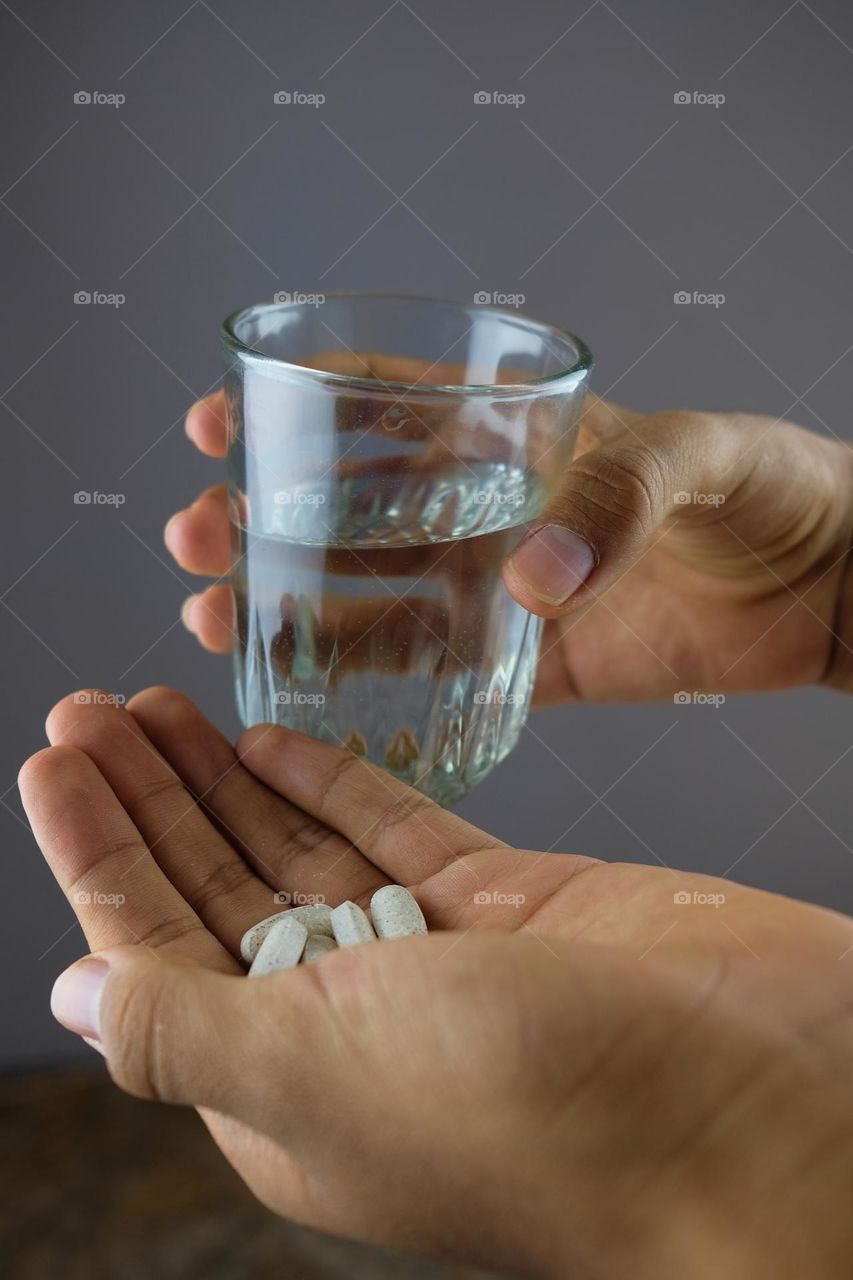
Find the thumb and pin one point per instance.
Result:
(611, 502)
(172, 1031)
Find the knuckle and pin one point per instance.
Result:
(171, 930)
(485, 844)
(624, 490)
(342, 779)
(43, 768)
(100, 869)
(310, 834)
(217, 794)
(401, 811)
(137, 1020)
(304, 837)
(634, 476)
(154, 789)
(221, 882)
(677, 424)
(169, 703)
(353, 781)
(81, 706)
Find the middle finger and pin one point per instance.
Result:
(286, 846)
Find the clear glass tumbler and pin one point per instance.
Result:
(386, 453)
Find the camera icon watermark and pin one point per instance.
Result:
(698, 699)
(298, 498)
(94, 898)
(99, 698)
(85, 298)
(302, 299)
(496, 98)
(83, 98)
(295, 98)
(490, 498)
(497, 698)
(485, 298)
(296, 698)
(684, 298)
(284, 898)
(683, 498)
(695, 98)
(94, 498)
(684, 898)
(490, 898)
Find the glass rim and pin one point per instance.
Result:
(550, 381)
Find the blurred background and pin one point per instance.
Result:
(627, 153)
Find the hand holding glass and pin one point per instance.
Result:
(385, 456)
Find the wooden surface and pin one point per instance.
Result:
(95, 1185)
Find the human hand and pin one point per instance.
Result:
(581, 1074)
(742, 587)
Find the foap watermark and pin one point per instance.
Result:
(494, 898)
(94, 98)
(684, 898)
(94, 298)
(695, 98)
(684, 499)
(684, 298)
(284, 898)
(296, 98)
(497, 98)
(298, 498)
(484, 298)
(698, 699)
(498, 699)
(99, 698)
(303, 299)
(494, 498)
(94, 498)
(296, 698)
(94, 898)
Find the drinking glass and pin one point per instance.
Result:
(385, 455)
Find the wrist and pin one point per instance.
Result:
(733, 1157)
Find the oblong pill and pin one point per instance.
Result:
(316, 917)
(281, 948)
(395, 913)
(350, 925)
(317, 946)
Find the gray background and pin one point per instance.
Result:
(199, 194)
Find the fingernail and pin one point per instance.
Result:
(76, 997)
(185, 613)
(553, 562)
(170, 526)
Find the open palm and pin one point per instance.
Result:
(163, 835)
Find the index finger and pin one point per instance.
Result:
(408, 836)
(206, 425)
